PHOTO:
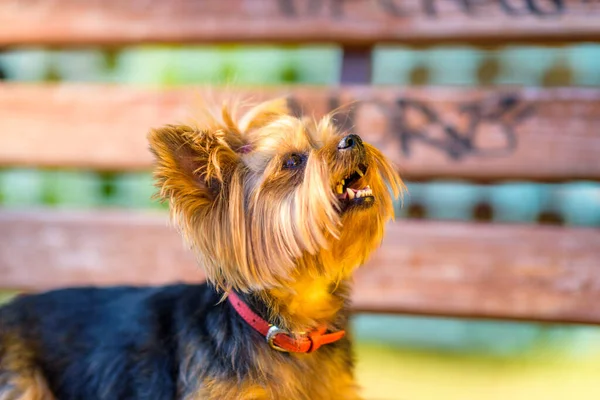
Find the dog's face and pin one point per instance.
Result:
(271, 196)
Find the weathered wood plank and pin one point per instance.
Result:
(540, 134)
(485, 270)
(454, 269)
(351, 22)
(41, 250)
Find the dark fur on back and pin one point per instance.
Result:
(135, 343)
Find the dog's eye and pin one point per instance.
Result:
(293, 161)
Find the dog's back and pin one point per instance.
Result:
(91, 343)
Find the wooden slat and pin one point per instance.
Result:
(42, 250)
(351, 22)
(540, 134)
(454, 269)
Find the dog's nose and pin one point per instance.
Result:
(349, 142)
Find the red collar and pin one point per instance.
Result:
(280, 339)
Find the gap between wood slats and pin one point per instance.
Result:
(478, 134)
(454, 269)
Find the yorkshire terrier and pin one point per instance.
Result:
(279, 211)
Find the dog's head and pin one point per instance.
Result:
(269, 196)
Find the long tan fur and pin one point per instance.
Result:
(256, 226)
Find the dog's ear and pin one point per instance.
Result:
(192, 166)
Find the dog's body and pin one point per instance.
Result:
(280, 211)
(154, 343)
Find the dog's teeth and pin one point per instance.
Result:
(350, 193)
(340, 189)
(359, 172)
(363, 192)
(343, 181)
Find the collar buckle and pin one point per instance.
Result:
(273, 331)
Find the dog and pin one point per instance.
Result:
(280, 211)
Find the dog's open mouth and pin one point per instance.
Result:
(353, 190)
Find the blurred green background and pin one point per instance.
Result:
(398, 357)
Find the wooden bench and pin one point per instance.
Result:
(460, 269)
